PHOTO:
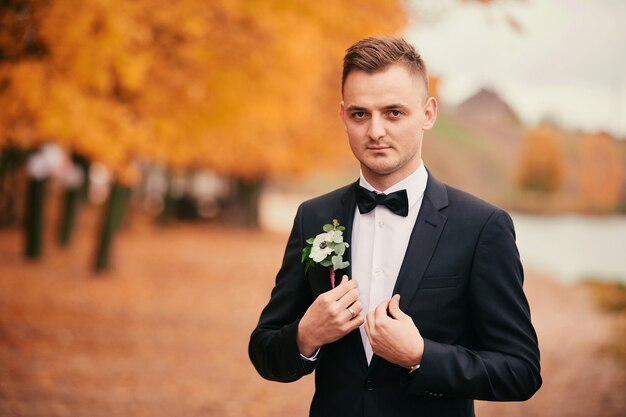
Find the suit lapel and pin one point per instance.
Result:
(424, 237)
(342, 209)
(422, 243)
(345, 213)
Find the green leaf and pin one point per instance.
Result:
(306, 251)
(310, 240)
(338, 262)
(326, 262)
(308, 265)
(327, 227)
(340, 248)
(342, 228)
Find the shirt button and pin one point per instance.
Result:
(381, 223)
(369, 385)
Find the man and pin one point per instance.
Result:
(434, 315)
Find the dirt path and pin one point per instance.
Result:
(165, 332)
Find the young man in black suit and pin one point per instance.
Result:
(430, 313)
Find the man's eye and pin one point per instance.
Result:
(358, 114)
(395, 113)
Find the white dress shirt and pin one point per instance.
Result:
(379, 242)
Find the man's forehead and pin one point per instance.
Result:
(392, 81)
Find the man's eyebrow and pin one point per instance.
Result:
(353, 107)
(395, 106)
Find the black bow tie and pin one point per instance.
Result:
(397, 202)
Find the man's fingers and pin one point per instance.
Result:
(346, 293)
(367, 327)
(348, 298)
(344, 278)
(354, 310)
(344, 286)
(394, 307)
(380, 312)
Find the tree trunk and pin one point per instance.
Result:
(5, 205)
(169, 204)
(75, 193)
(245, 203)
(11, 185)
(123, 217)
(33, 223)
(71, 201)
(83, 163)
(110, 223)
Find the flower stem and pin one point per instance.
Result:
(332, 276)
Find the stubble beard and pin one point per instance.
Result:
(381, 169)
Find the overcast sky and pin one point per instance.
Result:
(568, 61)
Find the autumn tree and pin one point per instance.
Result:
(19, 42)
(233, 86)
(601, 172)
(542, 165)
(237, 87)
(246, 89)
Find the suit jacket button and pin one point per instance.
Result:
(369, 385)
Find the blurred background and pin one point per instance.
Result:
(153, 154)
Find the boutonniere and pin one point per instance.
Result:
(326, 249)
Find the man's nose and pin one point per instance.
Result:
(376, 128)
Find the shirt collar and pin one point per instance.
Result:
(414, 184)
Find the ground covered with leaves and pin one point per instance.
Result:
(165, 331)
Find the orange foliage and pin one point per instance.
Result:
(601, 172)
(433, 85)
(542, 165)
(246, 88)
(18, 29)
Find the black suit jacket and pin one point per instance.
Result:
(461, 282)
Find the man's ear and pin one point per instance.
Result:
(342, 115)
(430, 113)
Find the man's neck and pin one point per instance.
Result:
(382, 183)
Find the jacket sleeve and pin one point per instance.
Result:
(503, 363)
(273, 348)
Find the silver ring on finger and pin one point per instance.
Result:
(352, 313)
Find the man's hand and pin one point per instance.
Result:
(394, 338)
(328, 318)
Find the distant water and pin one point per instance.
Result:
(569, 247)
(572, 247)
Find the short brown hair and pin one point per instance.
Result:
(377, 53)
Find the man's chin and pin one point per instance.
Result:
(381, 169)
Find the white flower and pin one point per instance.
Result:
(326, 249)
(335, 236)
(320, 248)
